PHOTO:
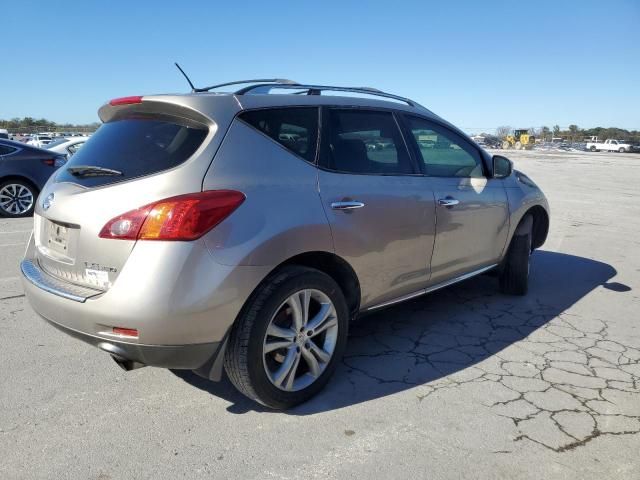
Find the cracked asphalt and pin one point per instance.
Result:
(463, 383)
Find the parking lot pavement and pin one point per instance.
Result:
(463, 383)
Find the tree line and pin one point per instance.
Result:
(29, 125)
(573, 133)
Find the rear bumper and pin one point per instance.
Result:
(168, 356)
(180, 301)
(39, 284)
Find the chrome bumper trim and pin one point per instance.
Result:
(32, 272)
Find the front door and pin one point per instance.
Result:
(472, 214)
(381, 215)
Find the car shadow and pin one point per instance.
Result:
(440, 334)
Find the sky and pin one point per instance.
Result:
(479, 64)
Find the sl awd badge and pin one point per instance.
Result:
(48, 201)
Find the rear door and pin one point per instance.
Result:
(381, 215)
(472, 214)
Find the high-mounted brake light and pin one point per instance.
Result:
(185, 217)
(126, 100)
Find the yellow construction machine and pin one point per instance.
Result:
(519, 140)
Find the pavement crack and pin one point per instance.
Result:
(12, 297)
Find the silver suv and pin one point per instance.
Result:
(243, 231)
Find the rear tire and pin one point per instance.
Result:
(593, 149)
(514, 276)
(257, 369)
(17, 198)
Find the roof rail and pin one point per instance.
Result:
(276, 81)
(317, 89)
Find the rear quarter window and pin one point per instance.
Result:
(295, 128)
(136, 147)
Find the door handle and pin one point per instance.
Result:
(448, 202)
(346, 205)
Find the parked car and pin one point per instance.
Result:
(39, 140)
(67, 146)
(4, 133)
(609, 145)
(23, 172)
(161, 244)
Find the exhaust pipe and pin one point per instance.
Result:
(127, 365)
(116, 353)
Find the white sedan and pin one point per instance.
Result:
(67, 146)
(40, 141)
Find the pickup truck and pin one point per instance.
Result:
(609, 145)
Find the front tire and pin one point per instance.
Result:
(289, 338)
(514, 275)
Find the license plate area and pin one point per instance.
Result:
(56, 241)
(58, 238)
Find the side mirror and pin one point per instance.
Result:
(502, 166)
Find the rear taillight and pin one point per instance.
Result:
(55, 162)
(126, 100)
(185, 217)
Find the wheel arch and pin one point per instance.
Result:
(329, 263)
(337, 268)
(535, 219)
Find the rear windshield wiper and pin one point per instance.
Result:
(92, 171)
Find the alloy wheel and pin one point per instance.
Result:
(16, 199)
(300, 340)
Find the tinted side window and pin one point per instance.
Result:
(443, 153)
(6, 150)
(363, 141)
(136, 147)
(294, 128)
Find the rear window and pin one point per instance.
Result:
(136, 147)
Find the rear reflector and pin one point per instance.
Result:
(185, 217)
(125, 332)
(126, 100)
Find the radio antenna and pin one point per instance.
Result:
(193, 89)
